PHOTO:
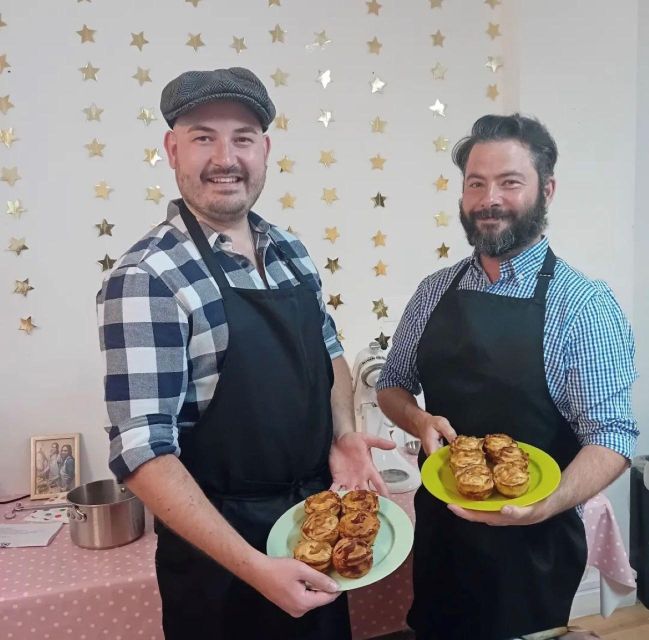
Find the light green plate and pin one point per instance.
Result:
(391, 547)
(437, 477)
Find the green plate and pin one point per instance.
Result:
(437, 477)
(391, 547)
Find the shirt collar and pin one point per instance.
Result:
(521, 266)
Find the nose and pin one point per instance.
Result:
(222, 153)
(491, 196)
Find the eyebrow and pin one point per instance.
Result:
(202, 127)
(505, 174)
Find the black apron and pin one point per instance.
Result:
(261, 447)
(480, 361)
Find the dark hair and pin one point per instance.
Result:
(528, 131)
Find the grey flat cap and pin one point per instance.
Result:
(194, 88)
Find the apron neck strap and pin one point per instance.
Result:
(544, 276)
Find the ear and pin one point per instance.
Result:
(267, 147)
(549, 189)
(171, 147)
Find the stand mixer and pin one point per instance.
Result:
(398, 474)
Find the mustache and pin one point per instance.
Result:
(228, 172)
(491, 214)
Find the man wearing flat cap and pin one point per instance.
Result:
(227, 396)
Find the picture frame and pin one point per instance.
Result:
(54, 464)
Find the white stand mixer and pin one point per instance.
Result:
(398, 474)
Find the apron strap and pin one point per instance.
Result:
(544, 276)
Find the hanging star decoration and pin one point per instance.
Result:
(378, 125)
(102, 190)
(321, 41)
(373, 7)
(379, 200)
(277, 34)
(438, 108)
(377, 85)
(22, 287)
(439, 72)
(196, 42)
(154, 194)
(281, 122)
(329, 195)
(326, 117)
(152, 156)
(93, 112)
(288, 201)
(15, 208)
(138, 40)
(441, 183)
(293, 231)
(17, 245)
(379, 308)
(339, 335)
(105, 228)
(324, 78)
(442, 251)
(272, 3)
(7, 137)
(492, 3)
(435, 4)
(380, 269)
(27, 325)
(335, 301)
(438, 38)
(374, 46)
(379, 239)
(441, 143)
(327, 158)
(383, 340)
(331, 234)
(441, 219)
(89, 72)
(142, 76)
(492, 91)
(106, 263)
(332, 265)
(3, 63)
(9, 175)
(285, 165)
(493, 30)
(377, 162)
(238, 44)
(193, 2)
(280, 78)
(2, 22)
(146, 115)
(95, 148)
(494, 63)
(5, 104)
(86, 34)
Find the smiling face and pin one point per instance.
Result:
(219, 152)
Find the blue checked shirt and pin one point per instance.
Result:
(588, 344)
(164, 334)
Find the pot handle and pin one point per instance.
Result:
(78, 514)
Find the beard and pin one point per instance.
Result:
(524, 226)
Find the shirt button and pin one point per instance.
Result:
(245, 263)
(222, 238)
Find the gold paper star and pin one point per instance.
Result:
(326, 117)
(17, 245)
(146, 115)
(281, 122)
(441, 183)
(87, 35)
(438, 38)
(378, 125)
(441, 219)
(321, 40)
(380, 308)
(102, 190)
(279, 77)
(3, 62)
(442, 251)
(492, 3)
(373, 7)
(324, 78)
(329, 195)
(195, 42)
(377, 161)
(89, 72)
(138, 40)
(193, 2)
(374, 46)
(273, 3)
(380, 269)
(15, 208)
(95, 148)
(106, 263)
(142, 76)
(5, 104)
(383, 341)
(2, 23)
(93, 112)
(27, 325)
(339, 335)
(378, 200)
(379, 239)
(105, 228)
(154, 194)
(293, 231)
(327, 158)
(7, 136)
(493, 30)
(238, 44)
(332, 265)
(152, 156)
(288, 201)
(23, 287)
(277, 34)
(435, 4)
(438, 108)
(441, 143)
(492, 91)
(439, 72)
(285, 165)
(331, 234)
(10, 175)
(377, 85)
(335, 301)
(494, 63)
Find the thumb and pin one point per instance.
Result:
(319, 581)
(379, 443)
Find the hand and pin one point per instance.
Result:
(294, 586)
(509, 515)
(351, 465)
(431, 429)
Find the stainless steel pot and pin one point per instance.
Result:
(104, 514)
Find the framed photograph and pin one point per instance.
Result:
(54, 464)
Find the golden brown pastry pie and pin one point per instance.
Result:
(314, 553)
(321, 526)
(466, 443)
(494, 442)
(361, 500)
(462, 458)
(361, 525)
(475, 482)
(510, 479)
(352, 558)
(514, 455)
(323, 501)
